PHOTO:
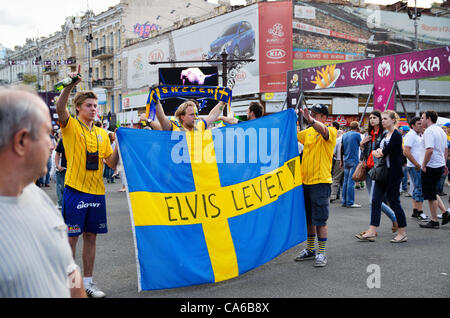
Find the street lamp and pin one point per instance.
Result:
(414, 16)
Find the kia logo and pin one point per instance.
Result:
(241, 76)
(156, 55)
(276, 54)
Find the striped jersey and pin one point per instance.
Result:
(35, 255)
(77, 139)
(317, 155)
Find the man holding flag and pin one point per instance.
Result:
(319, 141)
(186, 115)
(187, 112)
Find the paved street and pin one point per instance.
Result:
(418, 268)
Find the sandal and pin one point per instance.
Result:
(365, 238)
(402, 240)
(364, 232)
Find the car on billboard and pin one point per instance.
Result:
(237, 40)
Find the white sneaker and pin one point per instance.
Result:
(423, 217)
(320, 261)
(93, 291)
(354, 206)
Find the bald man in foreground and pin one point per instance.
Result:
(36, 259)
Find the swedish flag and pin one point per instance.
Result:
(209, 206)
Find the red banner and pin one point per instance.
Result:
(275, 45)
(342, 120)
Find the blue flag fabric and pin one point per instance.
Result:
(209, 206)
(170, 91)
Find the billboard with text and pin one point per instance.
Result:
(382, 72)
(326, 33)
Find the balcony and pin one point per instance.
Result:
(103, 53)
(50, 70)
(107, 83)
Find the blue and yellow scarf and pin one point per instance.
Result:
(218, 93)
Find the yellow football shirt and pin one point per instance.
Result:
(200, 125)
(317, 155)
(76, 139)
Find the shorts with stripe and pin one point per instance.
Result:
(84, 212)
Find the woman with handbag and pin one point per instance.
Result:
(390, 150)
(368, 144)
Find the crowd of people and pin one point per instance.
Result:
(416, 155)
(326, 21)
(304, 40)
(38, 242)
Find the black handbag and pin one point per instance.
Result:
(380, 172)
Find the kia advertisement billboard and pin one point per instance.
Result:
(235, 33)
(139, 72)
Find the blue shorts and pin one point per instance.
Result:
(84, 212)
(317, 203)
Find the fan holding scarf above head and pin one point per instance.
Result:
(187, 112)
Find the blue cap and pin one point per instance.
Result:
(405, 128)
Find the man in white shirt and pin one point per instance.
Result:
(434, 163)
(337, 171)
(36, 259)
(414, 151)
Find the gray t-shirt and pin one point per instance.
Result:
(35, 255)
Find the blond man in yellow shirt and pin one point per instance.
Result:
(186, 116)
(86, 147)
(318, 141)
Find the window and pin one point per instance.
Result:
(120, 102)
(119, 70)
(104, 71)
(111, 68)
(111, 40)
(118, 39)
(112, 103)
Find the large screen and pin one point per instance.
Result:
(204, 76)
(207, 76)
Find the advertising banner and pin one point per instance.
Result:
(383, 82)
(235, 33)
(338, 75)
(140, 72)
(275, 45)
(429, 63)
(382, 72)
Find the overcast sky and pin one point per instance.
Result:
(21, 19)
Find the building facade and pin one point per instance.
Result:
(96, 43)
